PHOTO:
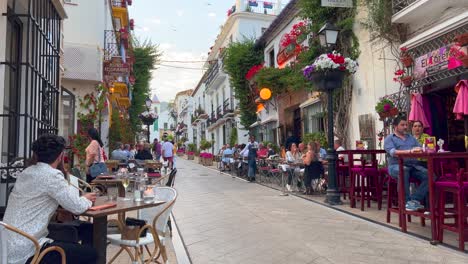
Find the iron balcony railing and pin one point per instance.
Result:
(219, 112)
(398, 5)
(227, 106)
(213, 72)
(111, 44)
(119, 3)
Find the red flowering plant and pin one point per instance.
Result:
(405, 57)
(403, 77)
(456, 52)
(252, 71)
(299, 31)
(288, 39)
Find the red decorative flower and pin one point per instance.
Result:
(252, 71)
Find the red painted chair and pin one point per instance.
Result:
(392, 196)
(343, 177)
(459, 189)
(366, 185)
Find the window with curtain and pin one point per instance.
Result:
(313, 118)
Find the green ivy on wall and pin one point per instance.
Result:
(239, 58)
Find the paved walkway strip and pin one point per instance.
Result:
(227, 220)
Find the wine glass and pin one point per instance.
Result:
(125, 184)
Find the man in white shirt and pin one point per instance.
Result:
(339, 147)
(38, 191)
(167, 150)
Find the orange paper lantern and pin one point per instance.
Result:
(111, 90)
(265, 94)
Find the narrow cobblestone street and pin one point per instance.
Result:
(228, 220)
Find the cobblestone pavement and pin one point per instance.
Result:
(228, 220)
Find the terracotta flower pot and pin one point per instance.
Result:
(407, 81)
(407, 61)
(392, 112)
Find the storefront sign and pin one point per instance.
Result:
(435, 61)
(337, 3)
(116, 67)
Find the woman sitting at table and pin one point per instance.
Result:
(292, 156)
(37, 193)
(417, 129)
(262, 151)
(313, 166)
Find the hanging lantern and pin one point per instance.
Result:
(265, 94)
(111, 89)
(260, 107)
(132, 24)
(129, 2)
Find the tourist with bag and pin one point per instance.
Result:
(95, 156)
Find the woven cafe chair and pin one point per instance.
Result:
(38, 255)
(156, 218)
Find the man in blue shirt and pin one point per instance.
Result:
(120, 154)
(401, 142)
(227, 157)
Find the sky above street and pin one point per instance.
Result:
(184, 30)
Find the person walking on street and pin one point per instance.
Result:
(167, 151)
(251, 150)
(157, 149)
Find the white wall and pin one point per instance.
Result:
(87, 21)
(373, 80)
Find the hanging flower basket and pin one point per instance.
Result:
(407, 61)
(329, 80)
(328, 71)
(407, 81)
(148, 118)
(391, 113)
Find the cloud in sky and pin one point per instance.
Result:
(180, 12)
(154, 20)
(211, 14)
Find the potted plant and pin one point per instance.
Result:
(148, 118)
(457, 53)
(328, 70)
(461, 39)
(299, 30)
(403, 77)
(386, 108)
(205, 159)
(191, 148)
(405, 57)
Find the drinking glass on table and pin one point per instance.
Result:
(125, 183)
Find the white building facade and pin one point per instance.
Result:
(30, 81)
(214, 96)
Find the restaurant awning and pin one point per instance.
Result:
(269, 120)
(255, 124)
(309, 101)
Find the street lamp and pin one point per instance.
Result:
(148, 103)
(328, 35)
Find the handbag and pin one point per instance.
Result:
(132, 228)
(98, 168)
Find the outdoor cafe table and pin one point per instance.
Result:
(112, 182)
(430, 157)
(100, 221)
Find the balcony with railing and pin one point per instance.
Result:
(398, 5)
(215, 76)
(219, 112)
(417, 11)
(112, 41)
(121, 3)
(228, 107)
